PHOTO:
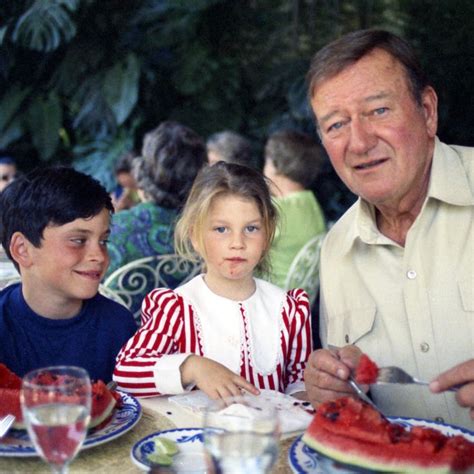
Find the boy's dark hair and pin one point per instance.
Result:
(7, 160)
(296, 155)
(48, 196)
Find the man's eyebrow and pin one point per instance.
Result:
(369, 98)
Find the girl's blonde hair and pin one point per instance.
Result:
(217, 180)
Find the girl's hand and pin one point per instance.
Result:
(215, 380)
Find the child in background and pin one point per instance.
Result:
(292, 163)
(225, 330)
(8, 171)
(54, 225)
(125, 195)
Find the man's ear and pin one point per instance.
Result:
(429, 101)
(20, 249)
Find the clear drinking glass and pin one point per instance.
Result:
(241, 436)
(56, 404)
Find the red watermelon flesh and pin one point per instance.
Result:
(367, 370)
(103, 400)
(103, 403)
(8, 379)
(10, 403)
(354, 433)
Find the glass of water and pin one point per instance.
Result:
(241, 435)
(56, 404)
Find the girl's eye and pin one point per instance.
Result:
(220, 229)
(104, 242)
(252, 228)
(380, 110)
(78, 241)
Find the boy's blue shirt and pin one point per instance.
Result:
(92, 339)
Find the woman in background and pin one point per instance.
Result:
(172, 155)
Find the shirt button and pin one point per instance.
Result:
(425, 347)
(346, 338)
(411, 274)
(439, 419)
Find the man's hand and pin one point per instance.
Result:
(327, 372)
(214, 379)
(458, 375)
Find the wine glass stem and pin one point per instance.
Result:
(56, 469)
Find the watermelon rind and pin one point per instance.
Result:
(331, 447)
(97, 420)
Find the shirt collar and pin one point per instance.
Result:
(449, 181)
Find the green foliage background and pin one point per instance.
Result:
(82, 80)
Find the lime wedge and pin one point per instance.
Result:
(165, 446)
(161, 459)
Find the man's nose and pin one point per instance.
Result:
(362, 137)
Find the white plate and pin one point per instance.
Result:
(190, 458)
(292, 413)
(304, 460)
(18, 444)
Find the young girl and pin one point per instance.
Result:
(224, 330)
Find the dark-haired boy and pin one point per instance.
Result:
(54, 225)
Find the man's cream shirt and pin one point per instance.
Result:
(412, 306)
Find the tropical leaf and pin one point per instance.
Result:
(13, 132)
(97, 158)
(11, 103)
(3, 31)
(120, 87)
(46, 24)
(44, 121)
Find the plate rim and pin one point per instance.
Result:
(28, 451)
(296, 468)
(134, 458)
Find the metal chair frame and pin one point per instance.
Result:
(304, 269)
(135, 279)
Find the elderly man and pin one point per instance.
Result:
(397, 269)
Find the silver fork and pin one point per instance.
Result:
(394, 374)
(363, 396)
(5, 424)
(355, 386)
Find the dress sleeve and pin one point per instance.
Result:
(148, 364)
(300, 340)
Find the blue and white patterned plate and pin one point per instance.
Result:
(17, 443)
(190, 458)
(304, 460)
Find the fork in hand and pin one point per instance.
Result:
(5, 424)
(394, 374)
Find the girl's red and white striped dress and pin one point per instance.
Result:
(266, 339)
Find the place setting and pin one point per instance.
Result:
(237, 434)
(59, 412)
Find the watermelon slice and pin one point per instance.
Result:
(8, 379)
(367, 370)
(103, 403)
(103, 400)
(352, 432)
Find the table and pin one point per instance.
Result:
(114, 457)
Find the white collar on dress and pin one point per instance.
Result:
(221, 328)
